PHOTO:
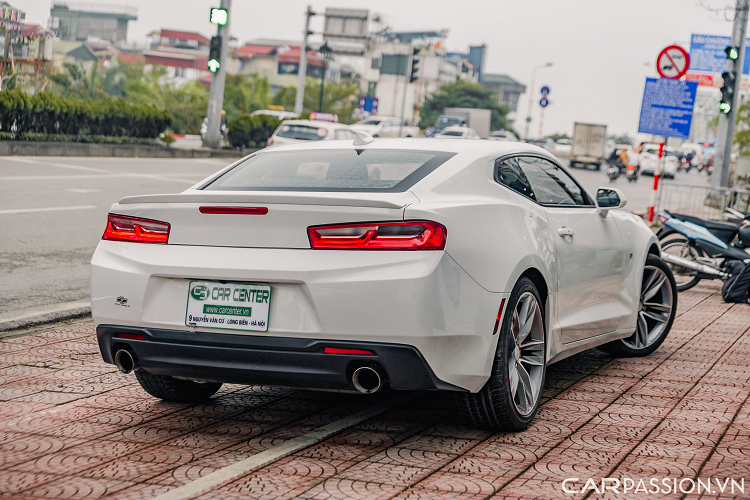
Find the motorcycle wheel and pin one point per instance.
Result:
(681, 247)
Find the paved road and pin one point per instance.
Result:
(53, 212)
(71, 426)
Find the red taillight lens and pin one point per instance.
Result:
(122, 228)
(131, 336)
(408, 235)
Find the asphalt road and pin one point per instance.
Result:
(53, 212)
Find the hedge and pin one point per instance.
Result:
(47, 113)
(247, 131)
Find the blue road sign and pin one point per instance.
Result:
(544, 102)
(667, 107)
(545, 90)
(528, 119)
(707, 54)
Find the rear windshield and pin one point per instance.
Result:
(453, 133)
(302, 132)
(371, 121)
(331, 170)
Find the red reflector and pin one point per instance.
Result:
(336, 350)
(499, 315)
(234, 210)
(402, 235)
(131, 336)
(123, 228)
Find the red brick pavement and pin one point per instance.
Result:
(71, 426)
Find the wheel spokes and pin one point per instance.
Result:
(525, 382)
(533, 359)
(641, 331)
(655, 283)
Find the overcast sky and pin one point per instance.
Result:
(599, 47)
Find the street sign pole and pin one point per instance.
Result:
(216, 97)
(727, 121)
(655, 191)
(299, 99)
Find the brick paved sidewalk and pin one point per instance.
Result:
(71, 426)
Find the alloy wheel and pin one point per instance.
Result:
(526, 356)
(655, 308)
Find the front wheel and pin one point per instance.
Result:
(510, 398)
(656, 311)
(681, 247)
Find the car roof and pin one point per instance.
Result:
(473, 148)
(316, 123)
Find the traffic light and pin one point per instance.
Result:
(732, 53)
(219, 16)
(730, 78)
(214, 54)
(414, 75)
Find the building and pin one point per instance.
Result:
(89, 21)
(278, 61)
(11, 19)
(183, 53)
(508, 91)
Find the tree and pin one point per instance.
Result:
(621, 139)
(95, 83)
(463, 94)
(557, 137)
(244, 94)
(338, 98)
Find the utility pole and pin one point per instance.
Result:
(216, 97)
(727, 121)
(531, 89)
(299, 99)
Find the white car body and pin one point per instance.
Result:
(563, 147)
(649, 161)
(502, 135)
(439, 305)
(457, 132)
(276, 113)
(385, 126)
(308, 131)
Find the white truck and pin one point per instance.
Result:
(385, 126)
(478, 119)
(588, 145)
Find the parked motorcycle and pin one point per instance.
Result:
(704, 249)
(631, 173)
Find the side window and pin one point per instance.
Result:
(551, 185)
(342, 134)
(509, 174)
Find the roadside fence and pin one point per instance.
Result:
(702, 201)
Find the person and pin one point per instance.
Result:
(623, 157)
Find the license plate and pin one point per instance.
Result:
(228, 306)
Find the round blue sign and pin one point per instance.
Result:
(544, 102)
(528, 119)
(545, 90)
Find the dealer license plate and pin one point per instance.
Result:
(228, 306)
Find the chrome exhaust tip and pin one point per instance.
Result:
(695, 266)
(125, 361)
(367, 380)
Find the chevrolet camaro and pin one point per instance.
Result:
(412, 264)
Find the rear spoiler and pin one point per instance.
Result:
(347, 199)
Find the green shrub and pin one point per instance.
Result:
(247, 131)
(47, 113)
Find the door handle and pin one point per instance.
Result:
(566, 231)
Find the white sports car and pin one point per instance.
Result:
(465, 266)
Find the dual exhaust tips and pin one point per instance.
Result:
(366, 379)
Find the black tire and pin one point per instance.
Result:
(695, 252)
(493, 406)
(598, 167)
(174, 389)
(619, 348)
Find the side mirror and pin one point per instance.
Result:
(609, 198)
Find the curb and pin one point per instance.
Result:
(51, 314)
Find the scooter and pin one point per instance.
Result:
(631, 173)
(703, 253)
(613, 172)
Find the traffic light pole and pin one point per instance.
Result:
(299, 99)
(727, 121)
(216, 98)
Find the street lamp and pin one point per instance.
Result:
(531, 89)
(325, 52)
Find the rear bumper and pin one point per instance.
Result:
(246, 359)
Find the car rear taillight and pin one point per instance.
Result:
(234, 210)
(123, 228)
(662, 218)
(131, 336)
(337, 350)
(270, 141)
(407, 235)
